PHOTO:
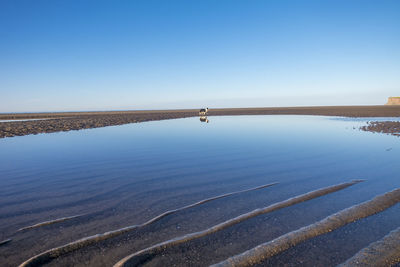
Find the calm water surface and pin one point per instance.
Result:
(124, 175)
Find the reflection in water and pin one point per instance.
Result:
(204, 119)
(126, 175)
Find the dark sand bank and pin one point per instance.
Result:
(388, 127)
(67, 121)
(57, 122)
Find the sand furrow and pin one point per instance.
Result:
(330, 223)
(50, 222)
(146, 254)
(4, 242)
(58, 251)
(385, 252)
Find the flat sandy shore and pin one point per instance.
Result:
(67, 121)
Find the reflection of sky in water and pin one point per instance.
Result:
(163, 164)
(258, 141)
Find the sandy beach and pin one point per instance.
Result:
(67, 121)
(200, 133)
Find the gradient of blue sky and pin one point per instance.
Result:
(102, 55)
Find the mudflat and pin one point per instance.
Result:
(35, 123)
(388, 127)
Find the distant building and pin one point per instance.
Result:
(393, 101)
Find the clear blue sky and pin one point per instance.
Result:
(103, 55)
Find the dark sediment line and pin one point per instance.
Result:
(385, 252)
(55, 115)
(84, 121)
(388, 127)
(330, 223)
(4, 242)
(144, 255)
(50, 222)
(87, 241)
(343, 111)
(68, 121)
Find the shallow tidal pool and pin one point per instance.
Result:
(105, 179)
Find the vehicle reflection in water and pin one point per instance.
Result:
(204, 119)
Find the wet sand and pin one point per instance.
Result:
(58, 122)
(388, 127)
(67, 121)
